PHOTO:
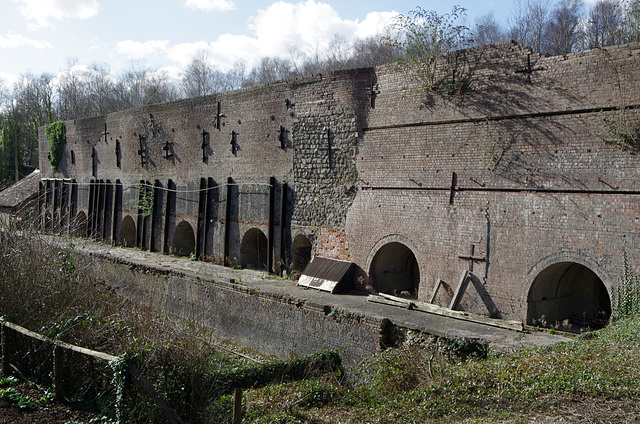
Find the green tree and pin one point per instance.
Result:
(11, 157)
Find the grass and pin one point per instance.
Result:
(49, 288)
(411, 385)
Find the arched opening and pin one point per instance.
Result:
(301, 252)
(253, 250)
(394, 270)
(127, 234)
(184, 240)
(570, 297)
(78, 226)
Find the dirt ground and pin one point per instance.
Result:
(44, 413)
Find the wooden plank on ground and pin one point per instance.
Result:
(438, 310)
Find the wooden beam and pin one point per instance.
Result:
(386, 299)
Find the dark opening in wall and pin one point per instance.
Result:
(394, 270)
(570, 297)
(301, 252)
(253, 250)
(127, 236)
(184, 240)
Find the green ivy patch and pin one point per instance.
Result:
(56, 136)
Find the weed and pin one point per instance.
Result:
(16, 398)
(627, 299)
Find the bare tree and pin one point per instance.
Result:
(158, 87)
(488, 31)
(270, 69)
(72, 92)
(33, 108)
(234, 78)
(565, 31)
(529, 23)
(604, 24)
(102, 92)
(339, 53)
(369, 52)
(4, 95)
(200, 77)
(140, 85)
(632, 21)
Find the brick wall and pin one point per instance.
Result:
(520, 165)
(273, 325)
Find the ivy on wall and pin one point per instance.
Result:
(56, 136)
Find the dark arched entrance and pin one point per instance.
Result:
(568, 296)
(394, 270)
(301, 252)
(184, 241)
(127, 235)
(253, 250)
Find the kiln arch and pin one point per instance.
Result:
(184, 239)
(570, 296)
(253, 250)
(127, 234)
(301, 252)
(394, 270)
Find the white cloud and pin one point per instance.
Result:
(138, 50)
(375, 23)
(283, 29)
(12, 41)
(44, 13)
(309, 27)
(8, 79)
(209, 5)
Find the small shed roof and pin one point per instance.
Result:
(20, 192)
(327, 274)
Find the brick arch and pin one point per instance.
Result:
(568, 290)
(393, 266)
(127, 234)
(184, 240)
(301, 252)
(253, 250)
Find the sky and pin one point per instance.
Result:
(38, 36)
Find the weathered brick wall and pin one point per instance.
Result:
(520, 165)
(534, 178)
(271, 324)
(244, 138)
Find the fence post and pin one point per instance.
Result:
(237, 406)
(58, 365)
(5, 350)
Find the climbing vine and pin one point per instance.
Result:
(145, 201)
(56, 136)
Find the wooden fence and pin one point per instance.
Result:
(22, 348)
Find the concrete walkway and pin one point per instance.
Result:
(498, 339)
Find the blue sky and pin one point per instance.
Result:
(43, 35)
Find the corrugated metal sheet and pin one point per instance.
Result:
(327, 274)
